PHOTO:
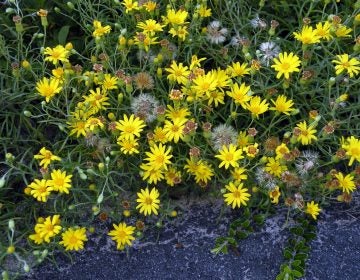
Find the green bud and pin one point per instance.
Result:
(57, 10)
(5, 275)
(44, 253)
(332, 81)
(287, 134)
(11, 224)
(70, 5)
(26, 267)
(71, 207)
(10, 11)
(36, 252)
(2, 181)
(27, 113)
(100, 198)
(39, 35)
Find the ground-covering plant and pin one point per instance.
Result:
(114, 109)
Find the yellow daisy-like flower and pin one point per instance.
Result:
(36, 238)
(237, 195)
(100, 30)
(149, 6)
(274, 167)
(73, 239)
(172, 176)
(343, 63)
(77, 127)
(281, 150)
(204, 11)
(229, 156)
(122, 235)
(342, 31)
(352, 148)
(282, 105)
(151, 174)
(200, 169)
(323, 30)
(174, 129)
(256, 106)
(238, 174)
(130, 127)
(93, 123)
(306, 134)
(48, 87)
(274, 195)
(177, 113)
(46, 157)
(238, 70)
(205, 83)
(54, 55)
(286, 64)
(128, 145)
(160, 135)
(346, 183)
(148, 201)
(109, 82)
(307, 35)
(312, 209)
(239, 93)
(150, 26)
(178, 73)
(159, 156)
(175, 17)
(60, 182)
(49, 228)
(40, 189)
(130, 5)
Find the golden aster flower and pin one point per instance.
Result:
(160, 135)
(36, 238)
(151, 174)
(122, 234)
(148, 201)
(286, 64)
(274, 195)
(149, 6)
(200, 169)
(48, 88)
(159, 156)
(144, 41)
(46, 157)
(229, 156)
(239, 93)
(307, 35)
(175, 17)
(204, 11)
(174, 129)
(98, 99)
(180, 32)
(77, 127)
(54, 55)
(130, 5)
(150, 26)
(40, 189)
(238, 70)
(323, 30)
(256, 106)
(93, 123)
(242, 139)
(306, 134)
(312, 209)
(195, 62)
(73, 239)
(282, 105)
(177, 113)
(100, 30)
(49, 228)
(274, 167)
(60, 182)
(130, 127)
(281, 150)
(128, 145)
(109, 82)
(251, 150)
(58, 73)
(343, 63)
(342, 31)
(237, 195)
(178, 73)
(215, 97)
(346, 183)
(238, 174)
(352, 148)
(172, 176)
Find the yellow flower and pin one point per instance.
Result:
(73, 239)
(174, 129)
(144, 41)
(128, 145)
(77, 127)
(282, 105)
(148, 201)
(150, 26)
(93, 123)
(36, 237)
(177, 113)
(149, 6)
(215, 96)
(281, 150)
(54, 55)
(286, 64)
(175, 17)
(98, 100)
(200, 169)
(342, 31)
(49, 228)
(40, 189)
(274, 195)
(352, 148)
(312, 209)
(159, 156)
(172, 176)
(306, 134)
(130, 127)
(100, 30)
(179, 31)
(204, 11)
(307, 35)
(346, 183)
(274, 167)
(238, 174)
(123, 235)
(60, 181)
(243, 139)
(240, 94)
(151, 174)
(46, 157)
(48, 88)
(160, 135)
(109, 82)
(238, 70)
(178, 73)
(344, 64)
(323, 30)
(229, 156)
(237, 195)
(256, 106)
(130, 5)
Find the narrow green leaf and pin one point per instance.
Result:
(63, 33)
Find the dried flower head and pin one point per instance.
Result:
(145, 107)
(268, 51)
(223, 134)
(215, 34)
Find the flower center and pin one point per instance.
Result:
(148, 201)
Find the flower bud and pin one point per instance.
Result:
(26, 267)
(10, 11)
(100, 198)
(11, 224)
(70, 5)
